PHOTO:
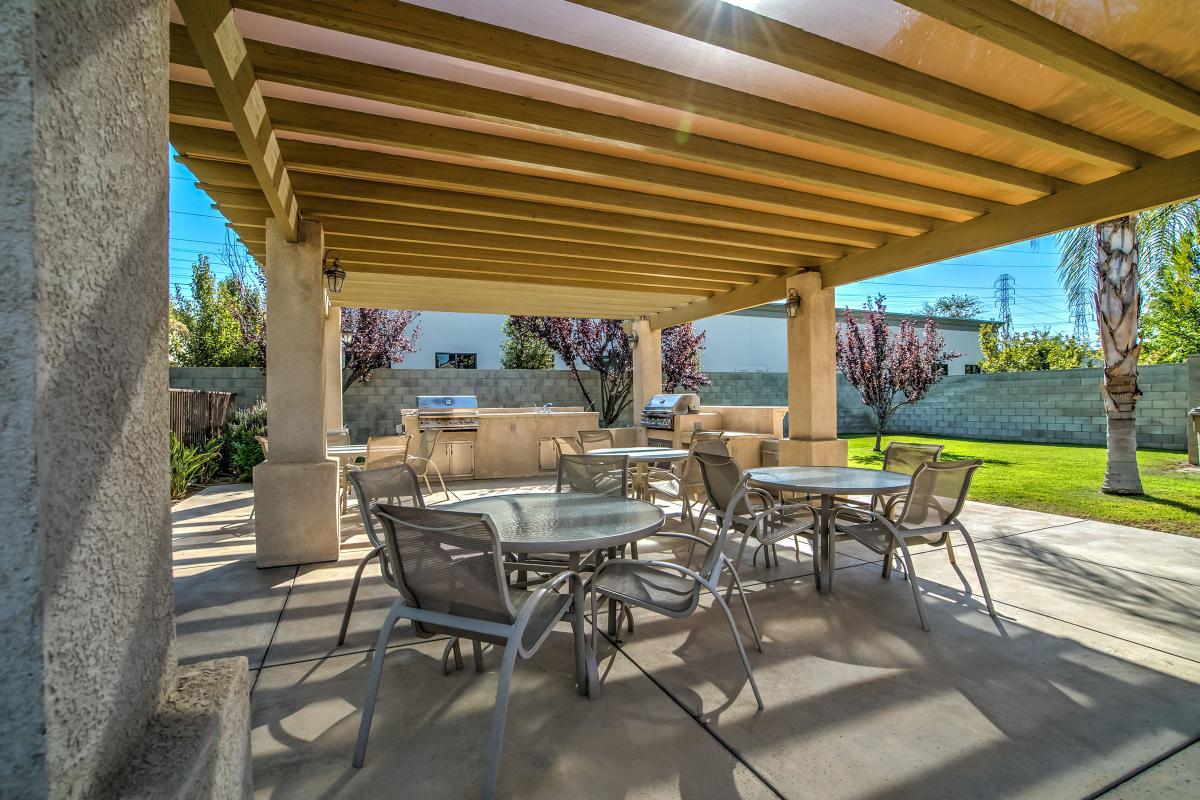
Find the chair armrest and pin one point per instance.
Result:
(531, 605)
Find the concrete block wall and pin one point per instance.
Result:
(1062, 406)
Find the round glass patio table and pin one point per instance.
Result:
(828, 483)
(642, 458)
(572, 523)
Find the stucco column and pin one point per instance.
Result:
(647, 370)
(91, 696)
(295, 489)
(812, 378)
(333, 368)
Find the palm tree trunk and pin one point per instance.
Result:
(1118, 298)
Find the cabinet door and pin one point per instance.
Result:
(462, 459)
(547, 455)
(441, 457)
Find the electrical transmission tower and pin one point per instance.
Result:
(1005, 293)
(1082, 323)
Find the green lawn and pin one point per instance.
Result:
(1065, 479)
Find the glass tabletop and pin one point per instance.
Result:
(637, 454)
(562, 523)
(829, 480)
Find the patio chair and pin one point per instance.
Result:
(904, 457)
(596, 440)
(593, 474)
(682, 481)
(422, 461)
(450, 580)
(565, 445)
(396, 485)
(386, 451)
(928, 513)
(754, 512)
(673, 590)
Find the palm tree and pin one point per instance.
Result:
(1101, 268)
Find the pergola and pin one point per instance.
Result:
(655, 162)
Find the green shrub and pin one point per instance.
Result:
(242, 452)
(192, 466)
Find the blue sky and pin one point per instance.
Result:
(1039, 303)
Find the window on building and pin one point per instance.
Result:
(942, 368)
(454, 360)
(973, 369)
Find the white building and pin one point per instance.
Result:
(752, 340)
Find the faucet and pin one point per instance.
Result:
(546, 408)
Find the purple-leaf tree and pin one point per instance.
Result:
(889, 371)
(602, 346)
(380, 338)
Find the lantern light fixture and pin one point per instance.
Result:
(347, 337)
(331, 268)
(792, 307)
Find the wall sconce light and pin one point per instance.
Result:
(633, 339)
(335, 276)
(792, 307)
(347, 337)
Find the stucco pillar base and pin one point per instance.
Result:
(296, 506)
(813, 452)
(198, 742)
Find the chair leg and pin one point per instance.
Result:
(912, 581)
(746, 605)
(737, 560)
(477, 654)
(452, 646)
(950, 549)
(353, 594)
(368, 712)
(987, 596)
(495, 745)
(737, 639)
(887, 563)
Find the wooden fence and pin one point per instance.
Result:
(197, 416)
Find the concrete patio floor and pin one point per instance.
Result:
(1086, 687)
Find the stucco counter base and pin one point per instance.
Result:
(813, 452)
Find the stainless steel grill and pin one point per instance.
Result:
(662, 409)
(448, 412)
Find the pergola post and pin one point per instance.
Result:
(647, 370)
(812, 378)
(333, 368)
(295, 489)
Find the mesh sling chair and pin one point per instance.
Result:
(450, 579)
(566, 446)
(673, 590)
(386, 451)
(928, 513)
(396, 485)
(596, 440)
(904, 457)
(682, 482)
(754, 512)
(422, 461)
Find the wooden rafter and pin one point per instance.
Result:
(1017, 28)
(1164, 181)
(191, 101)
(440, 32)
(222, 50)
(325, 73)
(752, 34)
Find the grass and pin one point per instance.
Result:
(1065, 479)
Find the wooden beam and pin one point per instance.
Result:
(421, 240)
(441, 32)
(1017, 28)
(626, 203)
(1165, 181)
(219, 44)
(294, 67)
(655, 182)
(744, 31)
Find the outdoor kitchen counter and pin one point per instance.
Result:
(512, 443)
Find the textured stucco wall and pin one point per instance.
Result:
(85, 503)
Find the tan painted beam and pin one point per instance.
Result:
(1165, 181)
(744, 31)
(656, 184)
(219, 44)
(440, 32)
(1017, 28)
(294, 67)
(628, 204)
(416, 240)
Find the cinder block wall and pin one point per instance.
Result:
(1062, 406)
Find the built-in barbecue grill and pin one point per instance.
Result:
(662, 409)
(448, 412)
